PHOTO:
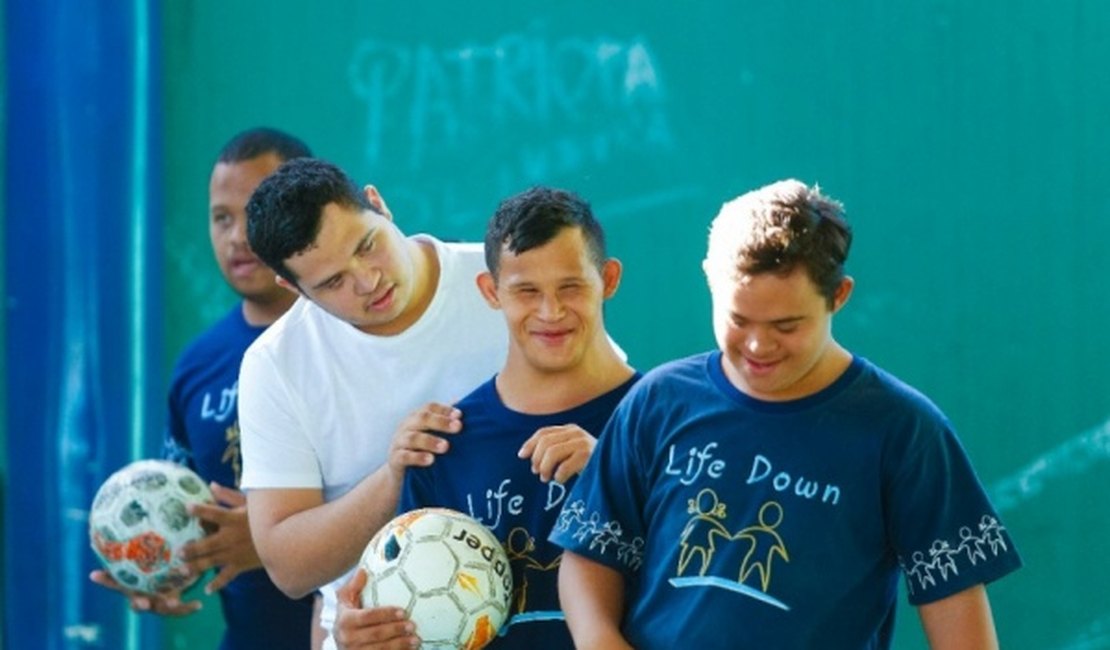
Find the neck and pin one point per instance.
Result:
(263, 313)
(526, 389)
(425, 280)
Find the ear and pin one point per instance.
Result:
(487, 286)
(611, 272)
(376, 200)
(843, 292)
(286, 284)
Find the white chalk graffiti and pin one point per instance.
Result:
(1073, 457)
(599, 92)
(525, 108)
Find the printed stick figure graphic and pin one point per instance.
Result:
(697, 536)
(971, 545)
(922, 571)
(944, 558)
(518, 546)
(992, 533)
(232, 454)
(766, 543)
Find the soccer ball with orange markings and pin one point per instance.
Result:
(448, 572)
(138, 524)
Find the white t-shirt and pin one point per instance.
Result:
(319, 400)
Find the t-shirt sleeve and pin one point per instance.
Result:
(946, 533)
(276, 450)
(418, 489)
(176, 447)
(602, 518)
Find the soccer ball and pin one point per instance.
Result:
(138, 524)
(448, 572)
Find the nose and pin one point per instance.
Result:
(238, 232)
(759, 342)
(366, 277)
(551, 308)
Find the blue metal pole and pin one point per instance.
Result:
(83, 259)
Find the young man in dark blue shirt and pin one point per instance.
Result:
(529, 430)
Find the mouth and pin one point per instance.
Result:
(242, 266)
(760, 367)
(552, 337)
(383, 301)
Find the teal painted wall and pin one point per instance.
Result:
(967, 140)
(4, 311)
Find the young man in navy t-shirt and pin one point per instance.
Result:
(770, 493)
(529, 430)
(202, 430)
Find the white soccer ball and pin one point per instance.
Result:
(138, 524)
(448, 572)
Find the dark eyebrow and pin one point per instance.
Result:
(778, 321)
(361, 243)
(325, 282)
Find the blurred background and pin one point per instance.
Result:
(968, 141)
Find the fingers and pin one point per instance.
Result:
(419, 438)
(168, 604)
(223, 577)
(437, 417)
(164, 605)
(210, 513)
(529, 446)
(228, 496)
(229, 545)
(376, 627)
(558, 452)
(105, 579)
(379, 627)
(350, 594)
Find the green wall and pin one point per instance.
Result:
(967, 141)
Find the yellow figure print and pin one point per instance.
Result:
(518, 546)
(697, 535)
(231, 452)
(766, 543)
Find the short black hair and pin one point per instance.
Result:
(283, 214)
(252, 143)
(534, 217)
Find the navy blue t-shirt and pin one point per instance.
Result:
(741, 523)
(203, 434)
(482, 476)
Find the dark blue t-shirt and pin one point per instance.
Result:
(740, 523)
(203, 434)
(482, 476)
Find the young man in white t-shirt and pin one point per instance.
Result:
(338, 396)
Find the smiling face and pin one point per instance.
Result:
(361, 269)
(552, 298)
(775, 333)
(229, 189)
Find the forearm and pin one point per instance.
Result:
(962, 621)
(305, 542)
(592, 597)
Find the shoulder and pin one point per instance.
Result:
(458, 259)
(301, 324)
(228, 337)
(480, 397)
(670, 381)
(458, 305)
(677, 373)
(881, 388)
